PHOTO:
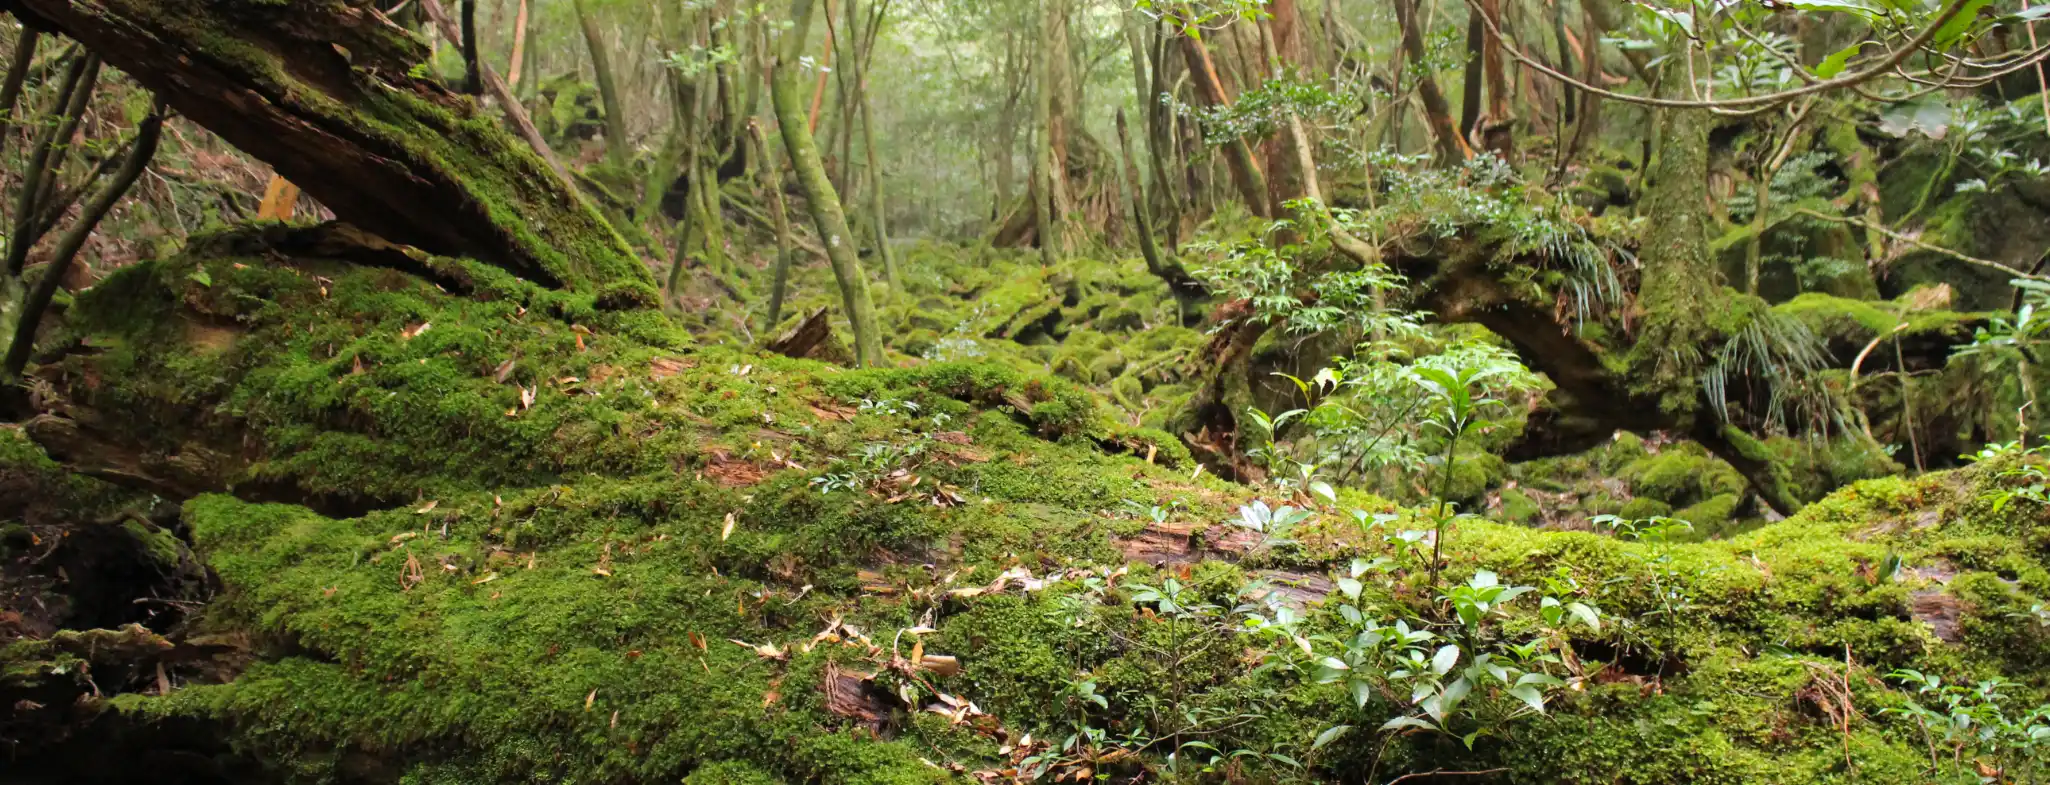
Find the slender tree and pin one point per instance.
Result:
(772, 184)
(877, 214)
(72, 94)
(1045, 217)
(473, 84)
(824, 202)
(17, 75)
(1452, 146)
(608, 87)
(1238, 154)
(517, 62)
(139, 155)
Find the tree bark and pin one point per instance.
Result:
(1178, 279)
(608, 87)
(1045, 217)
(826, 214)
(473, 84)
(517, 62)
(321, 91)
(1238, 155)
(772, 183)
(1470, 83)
(1452, 146)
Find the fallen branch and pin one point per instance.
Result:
(1932, 248)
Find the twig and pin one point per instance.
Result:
(514, 111)
(1444, 773)
(1891, 234)
(1893, 59)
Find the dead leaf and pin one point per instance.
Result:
(503, 373)
(767, 651)
(590, 699)
(727, 530)
(942, 665)
(416, 330)
(428, 507)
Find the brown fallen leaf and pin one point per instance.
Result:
(416, 330)
(503, 373)
(590, 699)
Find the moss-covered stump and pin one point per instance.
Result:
(503, 535)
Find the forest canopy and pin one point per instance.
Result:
(876, 392)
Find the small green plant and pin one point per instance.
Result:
(1458, 397)
(1462, 679)
(1275, 525)
(1972, 724)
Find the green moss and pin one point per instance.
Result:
(1681, 474)
(1517, 507)
(1644, 507)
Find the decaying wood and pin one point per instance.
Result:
(322, 92)
(812, 339)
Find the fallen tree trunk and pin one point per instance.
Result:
(322, 92)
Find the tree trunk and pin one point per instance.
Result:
(1056, 84)
(1452, 147)
(608, 89)
(473, 83)
(17, 74)
(1470, 82)
(1238, 155)
(877, 211)
(1045, 217)
(1178, 279)
(392, 153)
(516, 63)
(818, 191)
(772, 183)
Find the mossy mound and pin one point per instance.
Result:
(623, 558)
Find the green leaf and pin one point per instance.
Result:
(1836, 61)
(1531, 697)
(1891, 569)
(1399, 723)
(1351, 587)
(1586, 615)
(1324, 489)
(1958, 25)
(1447, 656)
(1329, 735)
(1860, 8)
(201, 277)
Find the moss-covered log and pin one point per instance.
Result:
(324, 92)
